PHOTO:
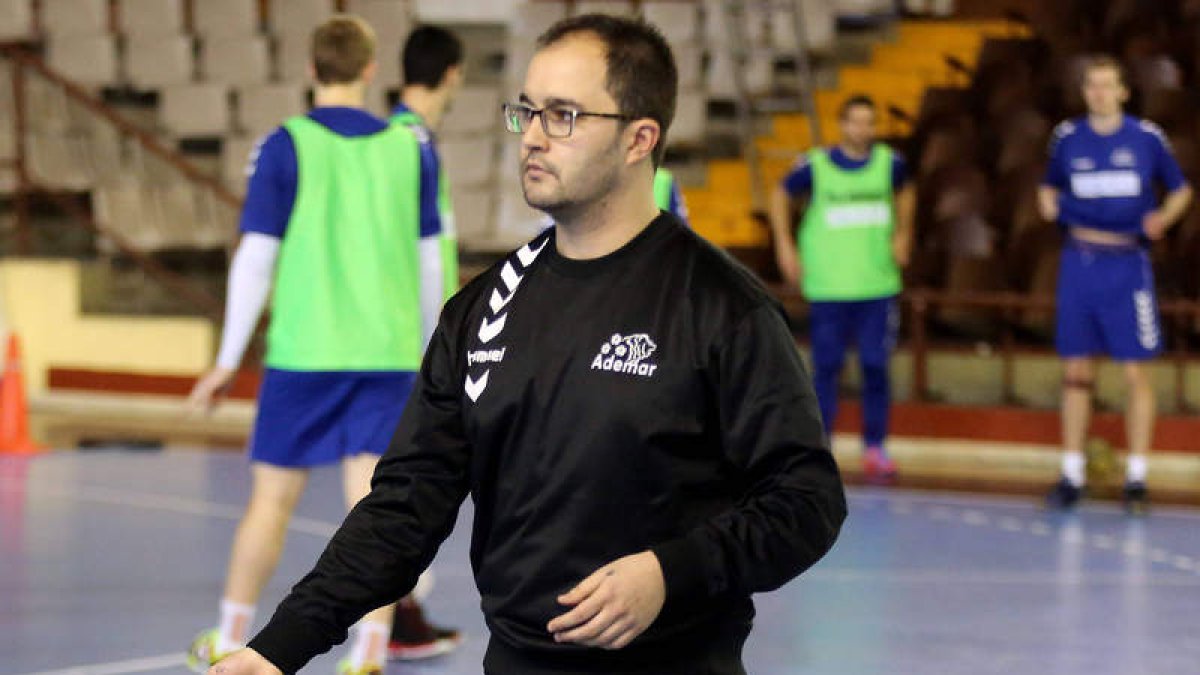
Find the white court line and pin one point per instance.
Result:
(121, 667)
(1024, 503)
(998, 578)
(153, 502)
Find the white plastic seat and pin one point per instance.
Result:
(468, 161)
(74, 17)
(16, 20)
(89, 60)
(691, 111)
(531, 19)
(219, 18)
(236, 160)
(679, 22)
(157, 62)
(195, 110)
(613, 7)
(261, 108)
(236, 60)
(298, 17)
(150, 18)
(475, 110)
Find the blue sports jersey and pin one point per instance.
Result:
(1107, 182)
(677, 205)
(799, 180)
(431, 218)
(272, 189)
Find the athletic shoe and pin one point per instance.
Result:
(1135, 498)
(1063, 496)
(344, 668)
(203, 652)
(414, 638)
(878, 467)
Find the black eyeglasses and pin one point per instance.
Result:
(557, 121)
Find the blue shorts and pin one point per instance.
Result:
(868, 325)
(308, 419)
(1106, 303)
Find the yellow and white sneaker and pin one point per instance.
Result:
(344, 668)
(203, 653)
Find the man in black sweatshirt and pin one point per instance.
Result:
(623, 402)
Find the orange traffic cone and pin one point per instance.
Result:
(14, 413)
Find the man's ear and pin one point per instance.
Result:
(643, 135)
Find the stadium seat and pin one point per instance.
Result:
(157, 62)
(216, 221)
(125, 209)
(58, 161)
(678, 21)
(261, 108)
(473, 214)
(292, 58)
(530, 19)
(16, 20)
(820, 27)
(476, 109)
(389, 18)
(236, 60)
(217, 18)
(468, 161)
(74, 17)
(689, 61)
(150, 18)
(173, 210)
(88, 60)
(298, 17)
(614, 7)
(236, 160)
(195, 110)
(687, 130)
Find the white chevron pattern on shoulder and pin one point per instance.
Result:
(492, 325)
(510, 277)
(475, 387)
(527, 255)
(498, 302)
(488, 330)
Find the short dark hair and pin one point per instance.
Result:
(342, 48)
(428, 53)
(640, 69)
(1105, 62)
(855, 101)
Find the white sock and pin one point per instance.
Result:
(1074, 468)
(234, 626)
(1135, 469)
(370, 643)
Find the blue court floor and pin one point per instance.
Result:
(111, 561)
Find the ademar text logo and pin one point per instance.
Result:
(627, 354)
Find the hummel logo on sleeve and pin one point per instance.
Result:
(492, 324)
(626, 355)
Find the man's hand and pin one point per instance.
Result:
(614, 605)
(1154, 225)
(209, 390)
(244, 662)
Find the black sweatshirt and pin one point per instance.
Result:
(650, 399)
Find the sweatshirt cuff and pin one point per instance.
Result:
(288, 642)
(683, 566)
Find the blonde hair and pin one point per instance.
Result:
(342, 48)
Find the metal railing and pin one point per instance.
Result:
(26, 66)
